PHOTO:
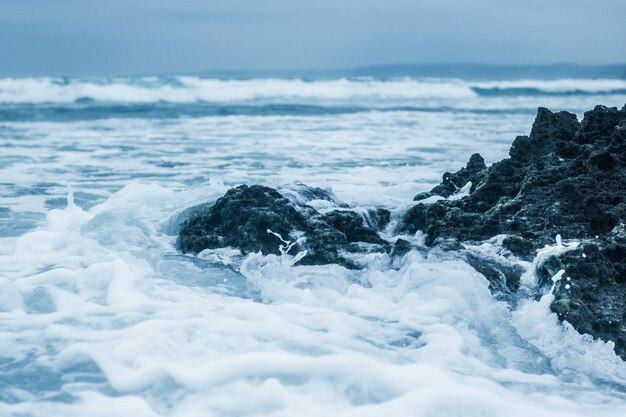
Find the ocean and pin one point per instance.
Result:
(100, 315)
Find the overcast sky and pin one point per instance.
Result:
(125, 37)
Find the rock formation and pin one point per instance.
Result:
(566, 177)
(244, 216)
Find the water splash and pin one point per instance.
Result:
(287, 246)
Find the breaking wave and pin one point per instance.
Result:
(190, 89)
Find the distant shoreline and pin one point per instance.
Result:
(462, 71)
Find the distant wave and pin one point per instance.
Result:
(187, 89)
(195, 89)
(563, 87)
(538, 92)
(92, 110)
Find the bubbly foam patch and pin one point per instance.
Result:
(96, 324)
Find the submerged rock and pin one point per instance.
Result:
(243, 217)
(566, 177)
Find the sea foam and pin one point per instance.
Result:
(189, 89)
(425, 339)
(100, 315)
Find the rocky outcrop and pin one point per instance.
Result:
(245, 215)
(567, 177)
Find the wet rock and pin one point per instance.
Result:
(378, 218)
(448, 244)
(504, 277)
(592, 294)
(566, 178)
(241, 219)
(300, 194)
(243, 216)
(352, 226)
(557, 180)
(474, 172)
(401, 247)
(518, 246)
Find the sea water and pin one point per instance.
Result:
(100, 315)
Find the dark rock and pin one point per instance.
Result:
(401, 247)
(540, 191)
(448, 244)
(504, 277)
(592, 294)
(352, 226)
(518, 246)
(566, 178)
(378, 218)
(423, 196)
(301, 194)
(243, 216)
(474, 172)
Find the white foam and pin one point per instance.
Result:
(425, 339)
(187, 89)
(563, 85)
(101, 316)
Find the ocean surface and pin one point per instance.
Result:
(101, 316)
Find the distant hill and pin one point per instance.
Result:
(463, 71)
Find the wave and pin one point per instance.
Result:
(538, 92)
(563, 87)
(91, 110)
(187, 89)
(192, 89)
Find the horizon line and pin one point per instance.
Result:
(449, 69)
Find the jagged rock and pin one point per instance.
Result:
(518, 246)
(504, 278)
(474, 172)
(378, 218)
(557, 180)
(566, 178)
(242, 217)
(401, 247)
(353, 226)
(592, 295)
(300, 194)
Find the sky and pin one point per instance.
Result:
(132, 37)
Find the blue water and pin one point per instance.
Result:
(101, 316)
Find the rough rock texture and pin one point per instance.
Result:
(568, 178)
(595, 302)
(243, 215)
(474, 171)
